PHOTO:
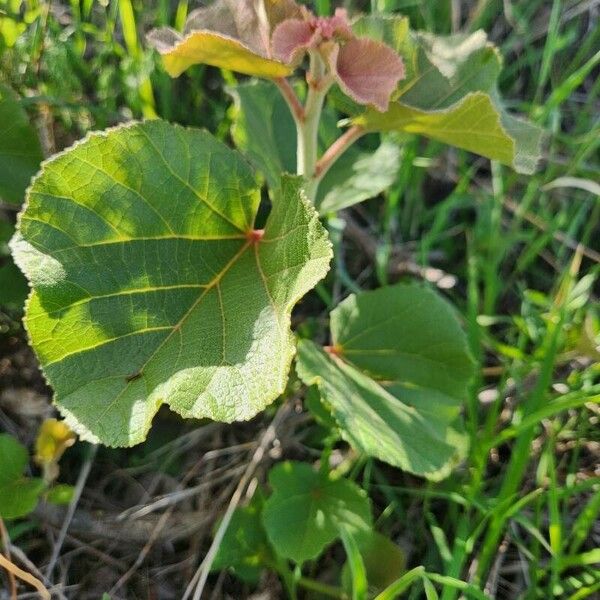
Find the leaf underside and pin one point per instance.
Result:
(149, 285)
(396, 378)
(212, 48)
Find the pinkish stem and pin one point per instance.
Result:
(337, 149)
(287, 91)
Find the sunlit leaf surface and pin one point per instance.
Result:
(151, 284)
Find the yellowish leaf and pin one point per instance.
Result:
(54, 437)
(210, 48)
(474, 123)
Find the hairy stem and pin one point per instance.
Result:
(308, 131)
(307, 119)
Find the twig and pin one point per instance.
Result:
(83, 475)
(179, 494)
(199, 580)
(288, 93)
(25, 576)
(12, 582)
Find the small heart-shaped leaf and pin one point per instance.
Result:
(319, 505)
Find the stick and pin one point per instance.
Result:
(25, 576)
(12, 582)
(201, 574)
(83, 475)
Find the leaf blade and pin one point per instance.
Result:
(180, 305)
(381, 378)
(217, 50)
(320, 507)
(473, 123)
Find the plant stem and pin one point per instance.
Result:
(308, 131)
(25, 576)
(337, 149)
(289, 95)
(322, 588)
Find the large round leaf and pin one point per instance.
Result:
(151, 285)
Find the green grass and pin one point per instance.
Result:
(516, 520)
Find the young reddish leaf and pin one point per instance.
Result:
(367, 70)
(291, 39)
(336, 27)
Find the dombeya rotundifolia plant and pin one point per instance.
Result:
(151, 283)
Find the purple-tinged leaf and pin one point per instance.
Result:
(367, 71)
(291, 39)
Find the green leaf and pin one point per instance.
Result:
(450, 95)
(263, 128)
(245, 547)
(20, 150)
(473, 123)
(384, 561)
(13, 459)
(20, 497)
(358, 176)
(307, 508)
(453, 66)
(265, 132)
(396, 377)
(151, 285)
